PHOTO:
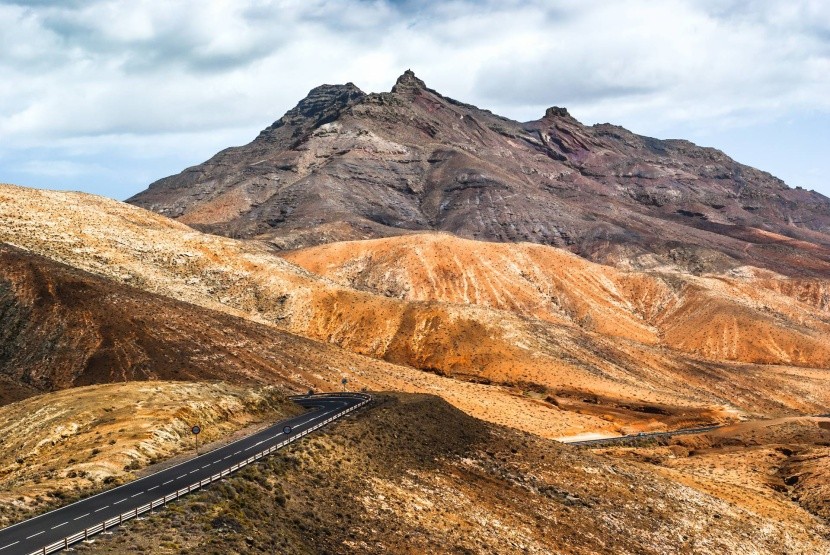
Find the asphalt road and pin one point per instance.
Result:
(634, 437)
(626, 439)
(35, 534)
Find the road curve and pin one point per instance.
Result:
(55, 530)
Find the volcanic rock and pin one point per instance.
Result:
(345, 165)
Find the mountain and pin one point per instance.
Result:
(344, 165)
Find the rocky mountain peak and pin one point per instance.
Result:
(557, 112)
(321, 104)
(325, 97)
(408, 82)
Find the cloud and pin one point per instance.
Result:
(100, 70)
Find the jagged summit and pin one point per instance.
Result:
(346, 165)
(557, 112)
(325, 97)
(320, 105)
(408, 82)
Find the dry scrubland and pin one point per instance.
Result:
(777, 468)
(547, 344)
(58, 446)
(414, 475)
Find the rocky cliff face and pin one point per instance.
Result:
(348, 165)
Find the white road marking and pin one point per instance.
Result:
(192, 471)
(226, 458)
(11, 544)
(238, 452)
(137, 494)
(101, 509)
(182, 476)
(33, 535)
(167, 482)
(152, 488)
(82, 516)
(59, 525)
(122, 500)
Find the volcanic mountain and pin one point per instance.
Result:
(345, 165)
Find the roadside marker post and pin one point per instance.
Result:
(196, 430)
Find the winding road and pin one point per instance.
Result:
(57, 529)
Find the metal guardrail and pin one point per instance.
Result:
(123, 517)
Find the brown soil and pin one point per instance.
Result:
(777, 467)
(748, 316)
(64, 327)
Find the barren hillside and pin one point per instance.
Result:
(748, 315)
(570, 372)
(775, 467)
(414, 475)
(64, 327)
(56, 446)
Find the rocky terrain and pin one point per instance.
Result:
(346, 165)
(59, 446)
(64, 327)
(414, 475)
(775, 466)
(594, 355)
(539, 280)
(747, 315)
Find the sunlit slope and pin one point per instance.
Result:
(64, 327)
(80, 437)
(749, 316)
(562, 354)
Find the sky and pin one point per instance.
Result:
(107, 96)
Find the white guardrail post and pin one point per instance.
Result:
(120, 519)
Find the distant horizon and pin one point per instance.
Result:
(109, 104)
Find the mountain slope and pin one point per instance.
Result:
(747, 316)
(64, 327)
(414, 475)
(548, 377)
(346, 165)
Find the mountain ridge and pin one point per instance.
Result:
(345, 165)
